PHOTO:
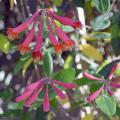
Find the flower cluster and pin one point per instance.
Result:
(33, 90)
(106, 84)
(50, 19)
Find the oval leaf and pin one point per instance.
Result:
(48, 64)
(4, 44)
(65, 75)
(91, 51)
(102, 5)
(100, 23)
(106, 104)
(26, 65)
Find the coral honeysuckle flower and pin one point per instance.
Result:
(68, 42)
(65, 20)
(37, 55)
(14, 32)
(33, 90)
(24, 47)
(58, 46)
(107, 84)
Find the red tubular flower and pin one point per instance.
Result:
(37, 55)
(95, 94)
(33, 97)
(106, 84)
(65, 20)
(58, 91)
(14, 32)
(33, 90)
(46, 106)
(62, 35)
(108, 90)
(30, 89)
(58, 47)
(24, 47)
(91, 77)
(65, 85)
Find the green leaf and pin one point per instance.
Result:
(68, 62)
(54, 103)
(118, 111)
(87, 49)
(106, 104)
(4, 44)
(102, 5)
(26, 65)
(98, 36)
(100, 23)
(65, 75)
(67, 28)
(48, 64)
(57, 2)
(85, 81)
(95, 87)
(20, 64)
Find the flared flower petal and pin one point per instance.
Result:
(46, 106)
(65, 85)
(114, 85)
(37, 55)
(33, 97)
(113, 70)
(14, 32)
(24, 47)
(109, 91)
(91, 77)
(95, 94)
(59, 48)
(68, 42)
(65, 20)
(58, 91)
